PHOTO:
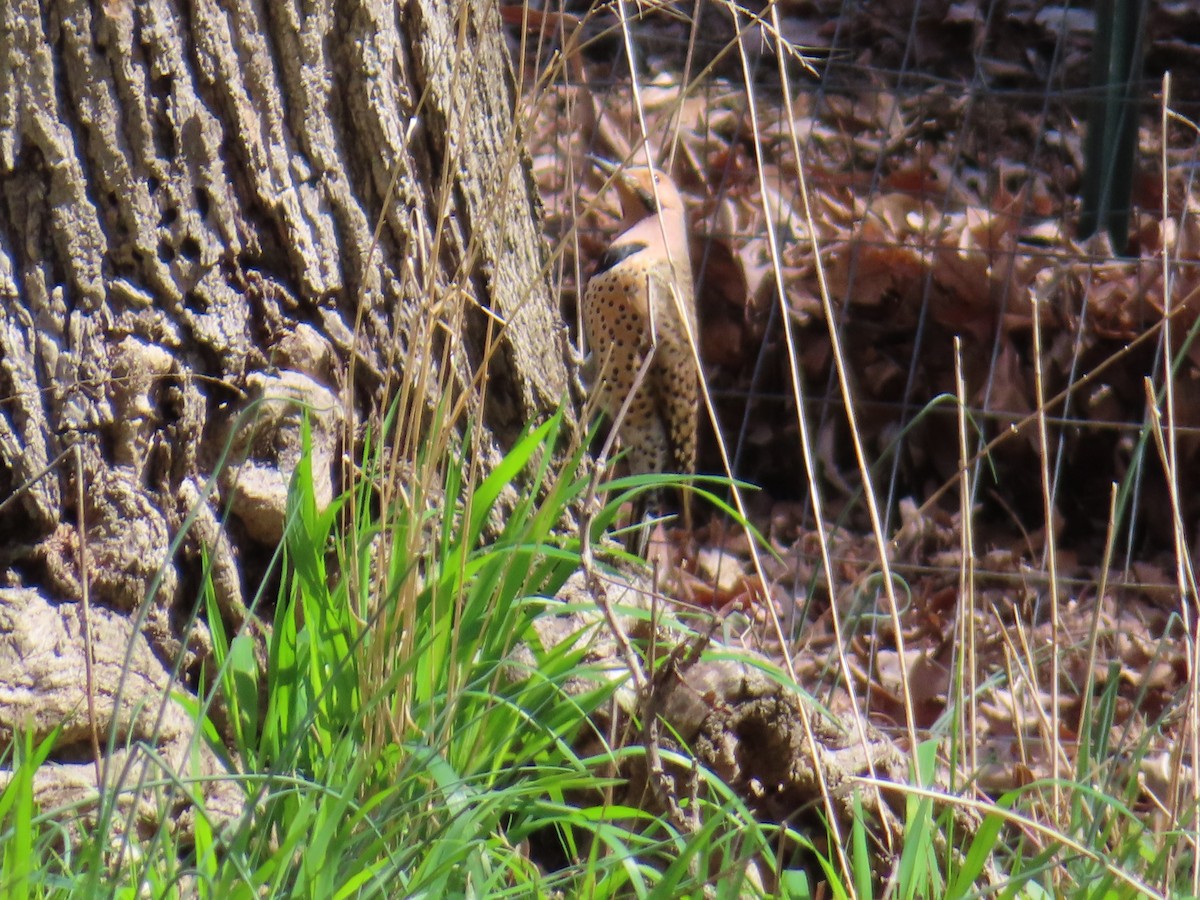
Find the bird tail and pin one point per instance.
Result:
(650, 507)
(646, 508)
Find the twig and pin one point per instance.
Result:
(89, 659)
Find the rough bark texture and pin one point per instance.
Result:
(189, 197)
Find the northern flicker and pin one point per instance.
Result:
(640, 303)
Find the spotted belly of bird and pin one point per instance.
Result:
(639, 305)
(629, 315)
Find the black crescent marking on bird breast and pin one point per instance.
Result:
(614, 256)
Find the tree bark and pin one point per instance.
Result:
(213, 215)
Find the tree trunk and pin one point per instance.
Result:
(211, 217)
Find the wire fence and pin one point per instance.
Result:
(943, 158)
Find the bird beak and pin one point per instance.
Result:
(607, 166)
(634, 199)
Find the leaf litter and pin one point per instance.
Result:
(938, 213)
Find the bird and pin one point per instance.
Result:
(639, 305)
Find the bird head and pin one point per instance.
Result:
(644, 191)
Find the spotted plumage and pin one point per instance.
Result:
(640, 302)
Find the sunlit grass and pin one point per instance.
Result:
(398, 742)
